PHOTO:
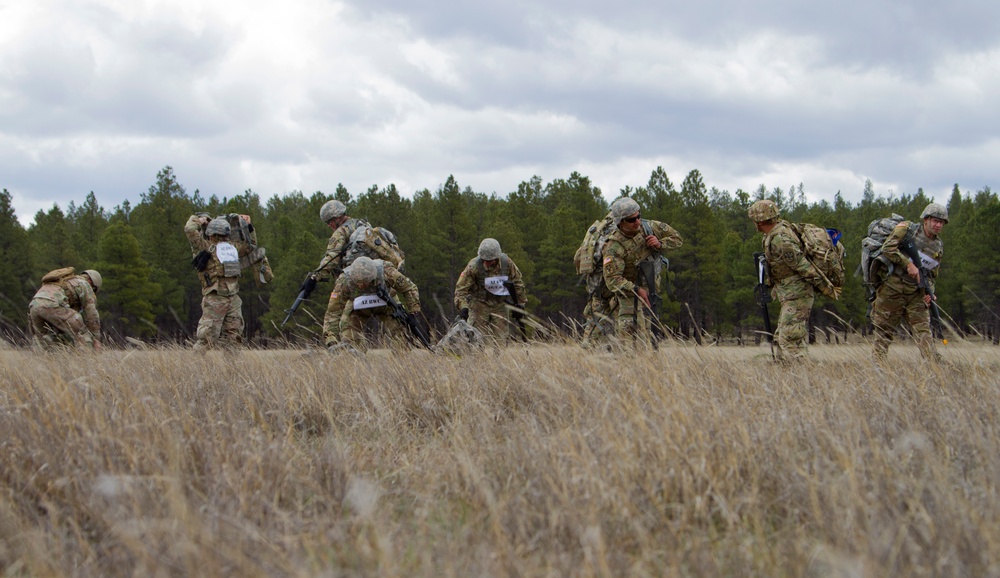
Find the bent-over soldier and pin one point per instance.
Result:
(488, 288)
(355, 300)
(634, 241)
(64, 310)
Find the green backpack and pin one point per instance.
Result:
(823, 249)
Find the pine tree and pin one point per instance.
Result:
(128, 295)
(16, 280)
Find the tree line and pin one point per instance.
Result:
(151, 291)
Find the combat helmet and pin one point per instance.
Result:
(489, 250)
(331, 210)
(622, 208)
(217, 226)
(763, 210)
(936, 210)
(95, 279)
(362, 271)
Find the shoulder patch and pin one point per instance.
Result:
(607, 260)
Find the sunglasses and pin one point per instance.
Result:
(632, 219)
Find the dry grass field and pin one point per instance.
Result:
(689, 461)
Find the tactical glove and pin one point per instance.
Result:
(464, 314)
(309, 285)
(416, 321)
(516, 315)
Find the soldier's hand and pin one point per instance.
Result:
(643, 296)
(831, 292)
(97, 346)
(245, 218)
(653, 242)
(309, 285)
(913, 271)
(928, 298)
(516, 314)
(464, 314)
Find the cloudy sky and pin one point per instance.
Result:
(99, 95)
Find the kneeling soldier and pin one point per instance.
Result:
(361, 293)
(64, 310)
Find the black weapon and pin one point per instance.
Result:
(305, 290)
(909, 248)
(400, 314)
(516, 312)
(762, 294)
(647, 271)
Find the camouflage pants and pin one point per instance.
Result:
(54, 325)
(894, 303)
(598, 321)
(630, 319)
(221, 317)
(492, 320)
(352, 328)
(790, 337)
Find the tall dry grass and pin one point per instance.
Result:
(522, 462)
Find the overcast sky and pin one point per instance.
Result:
(99, 95)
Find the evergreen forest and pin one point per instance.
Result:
(151, 292)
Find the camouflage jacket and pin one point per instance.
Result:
(332, 263)
(622, 255)
(931, 252)
(785, 259)
(472, 283)
(346, 291)
(75, 293)
(214, 278)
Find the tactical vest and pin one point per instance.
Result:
(481, 290)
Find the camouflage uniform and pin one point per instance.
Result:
(347, 306)
(899, 297)
(622, 255)
(488, 311)
(221, 306)
(332, 264)
(65, 312)
(793, 280)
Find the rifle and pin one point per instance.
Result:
(400, 314)
(516, 313)
(305, 290)
(762, 294)
(647, 272)
(909, 248)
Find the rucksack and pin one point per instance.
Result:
(251, 256)
(875, 267)
(588, 257)
(374, 243)
(822, 249)
(57, 275)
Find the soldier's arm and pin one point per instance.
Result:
(669, 238)
(614, 269)
(192, 230)
(518, 280)
(332, 261)
(91, 317)
(463, 287)
(406, 289)
(890, 248)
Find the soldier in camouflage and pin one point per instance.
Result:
(334, 214)
(218, 264)
(792, 278)
(634, 241)
(354, 302)
(897, 295)
(483, 291)
(64, 312)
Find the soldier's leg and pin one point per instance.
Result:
(213, 311)
(631, 322)
(790, 336)
(887, 311)
(352, 328)
(488, 320)
(68, 324)
(232, 323)
(919, 317)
